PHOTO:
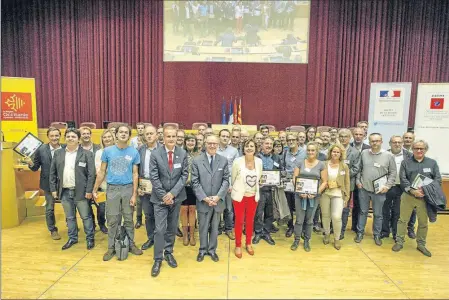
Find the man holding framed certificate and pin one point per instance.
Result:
(264, 213)
(377, 175)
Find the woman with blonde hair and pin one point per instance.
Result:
(188, 206)
(306, 204)
(107, 139)
(337, 193)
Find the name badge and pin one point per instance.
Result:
(427, 170)
(347, 161)
(220, 169)
(127, 157)
(293, 159)
(177, 166)
(342, 172)
(377, 165)
(307, 169)
(83, 164)
(277, 165)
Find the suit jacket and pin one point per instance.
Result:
(42, 159)
(353, 163)
(164, 180)
(207, 182)
(142, 152)
(364, 146)
(84, 172)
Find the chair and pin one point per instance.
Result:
(114, 124)
(59, 125)
(171, 124)
(196, 125)
(91, 125)
(297, 128)
(323, 128)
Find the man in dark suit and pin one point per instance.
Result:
(42, 159)
(72, 177)
(264, 213)
(392, 205)
(210, 182)
(150, 136)
(87, 144)
(359, 134)
(168, 175)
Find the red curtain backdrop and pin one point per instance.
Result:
(102, 60)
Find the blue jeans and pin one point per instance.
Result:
(378, 203)
(228, 213)
(50, 212)
(69, 203)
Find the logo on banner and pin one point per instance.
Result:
(436, 103)
(17, 106)
(390, 94)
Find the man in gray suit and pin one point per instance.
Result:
(210, 182)
(168, 175)
(72, 177)
(42, 160)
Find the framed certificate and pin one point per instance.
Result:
(307, 185)
(28, 145)
(420, 181)
(379, 183)
(145, 185)
(270, 178)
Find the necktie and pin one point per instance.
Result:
(211, 162)
(170, 160)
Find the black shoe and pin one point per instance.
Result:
(220, 231)
(156, 269)
(200, 257)
(411, 234)
(273, 229)
(358, 238)
(214, 256)
(316, 228)
(171, 260)
(178, 232)
(342, 235)
(148, 244)
(90, 244)
(377, 240)
(267, 237)
(307, 245)
(69, 244)
(289, 232)
(256, 238)
(384, 235)
(295, 245)
(138, 224)
(104, 229)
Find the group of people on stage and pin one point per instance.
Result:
(197, 178)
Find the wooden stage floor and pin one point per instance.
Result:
(33, 266)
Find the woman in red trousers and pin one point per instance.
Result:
(246, 172)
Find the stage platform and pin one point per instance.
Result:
(34, 266)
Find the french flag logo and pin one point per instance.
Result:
(436, 103)
(390, 93)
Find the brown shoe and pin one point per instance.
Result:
(250, 250)
(192, 236)
(238, 252)
(55, 235)
(134, 250)
(185, 236)
(337, 244)
(230, 234)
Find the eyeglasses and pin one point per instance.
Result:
(396, 142)
(419, 149)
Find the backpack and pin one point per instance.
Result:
(121, 244)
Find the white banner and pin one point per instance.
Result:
(388, 109)
(432, 121)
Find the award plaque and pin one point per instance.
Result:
(307, 185)
(145, 185)
(270, 178)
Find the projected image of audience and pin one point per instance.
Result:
(236, 31)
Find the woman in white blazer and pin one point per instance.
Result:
(245, 175)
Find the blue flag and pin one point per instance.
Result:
(231, 114)
(223, 112)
